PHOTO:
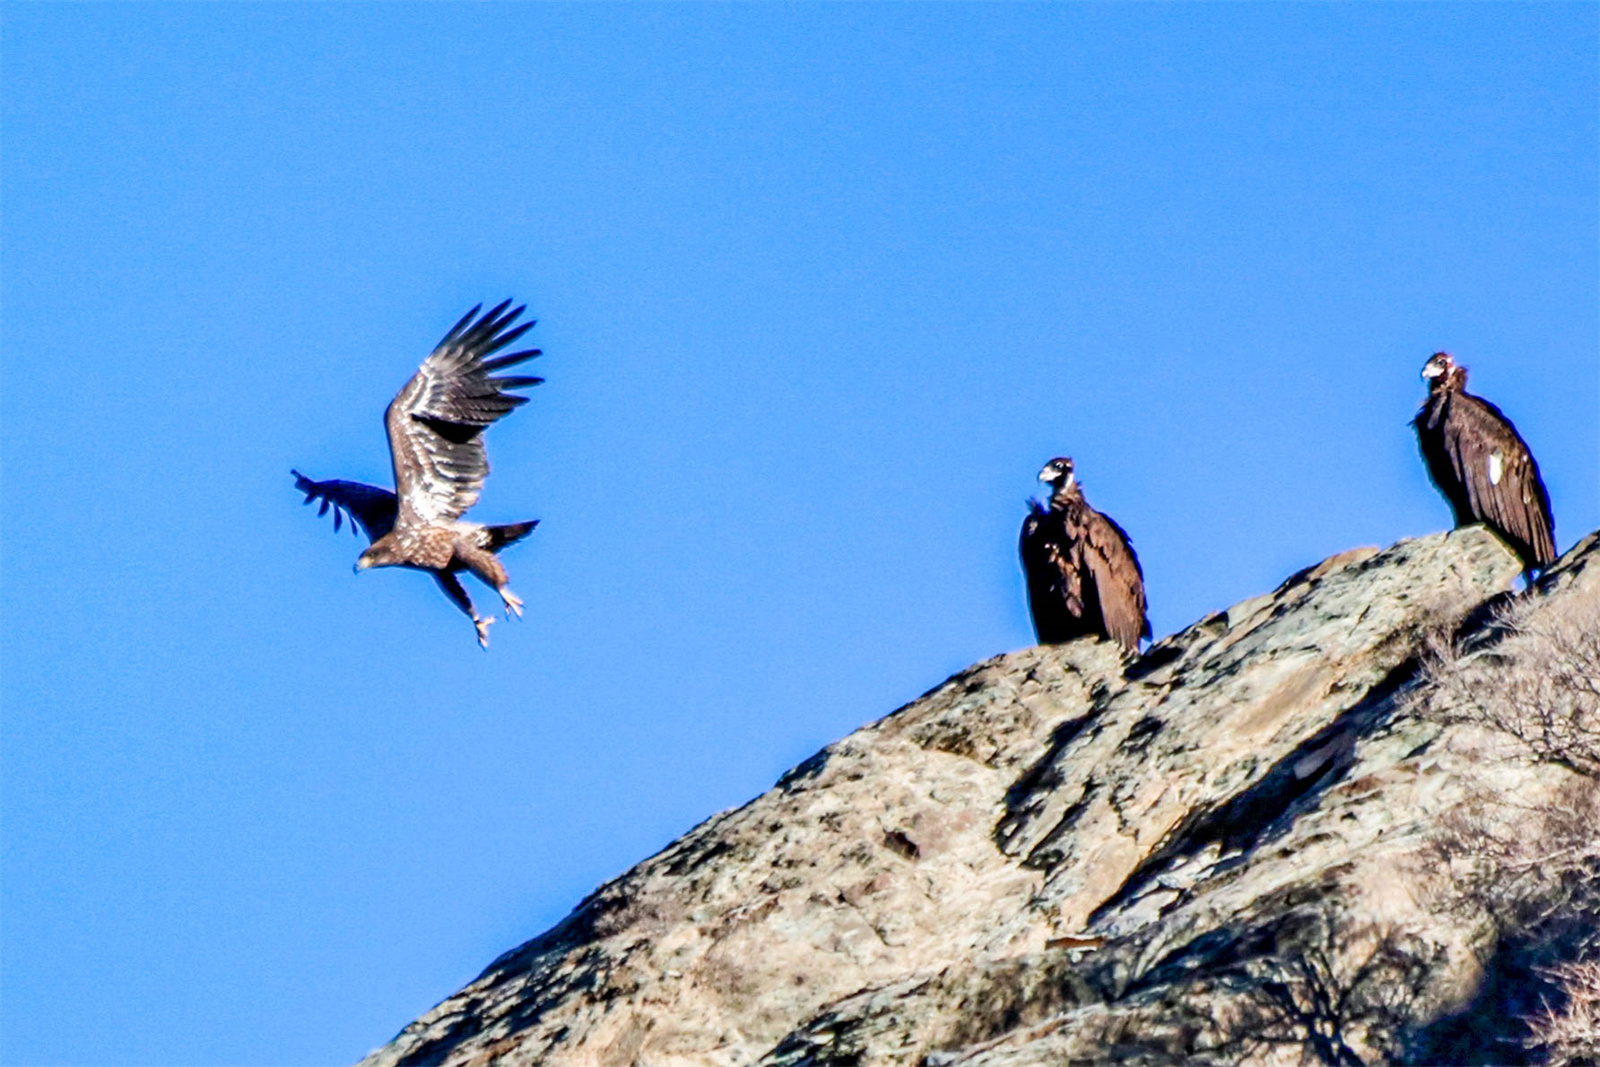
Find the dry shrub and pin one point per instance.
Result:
(1532, 674)
(1525, 864)
(1570, 1034)
(1333, 1002)
(1533, 871)
(1532, 865)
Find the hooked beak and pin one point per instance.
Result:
(360, 565)
(1052, 475)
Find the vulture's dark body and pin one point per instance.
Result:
(1485, 469)
(1083, 577)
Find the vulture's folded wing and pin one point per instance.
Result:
(1501, 478)
(436, 422)
(1118, 579)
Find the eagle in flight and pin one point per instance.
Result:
(1482, 465)
(1083, 578)
(435, 426)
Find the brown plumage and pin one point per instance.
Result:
(1083, 578)
(435, 428)
(1482, 465)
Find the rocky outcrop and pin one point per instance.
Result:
(1218, 852)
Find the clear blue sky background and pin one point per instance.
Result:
(820, 288)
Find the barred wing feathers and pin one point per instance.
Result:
(436, 422)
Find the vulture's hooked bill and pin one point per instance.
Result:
(1083, 578)
(435, 427)
(1482, 465)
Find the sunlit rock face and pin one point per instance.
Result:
(1050, 858)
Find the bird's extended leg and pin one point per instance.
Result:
(457, 592)
(484, 564)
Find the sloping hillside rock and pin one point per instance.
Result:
(1215, 853)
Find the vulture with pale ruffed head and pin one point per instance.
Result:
(1482, 465)
(1083, 578)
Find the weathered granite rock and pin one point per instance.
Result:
(1048, 860)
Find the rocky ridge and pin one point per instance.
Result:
(1219, 852)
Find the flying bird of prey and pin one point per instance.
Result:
(1482, 465)
(435, 426)
(1083, 578)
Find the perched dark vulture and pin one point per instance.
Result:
(435, 427)
(1083, 577)
(1482, 465)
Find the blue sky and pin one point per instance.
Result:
(820, 289)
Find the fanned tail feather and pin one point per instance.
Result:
(509, 534)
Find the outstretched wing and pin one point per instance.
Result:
(367, 506)
(1118, 580)
(436, 422)
(1500, 477)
